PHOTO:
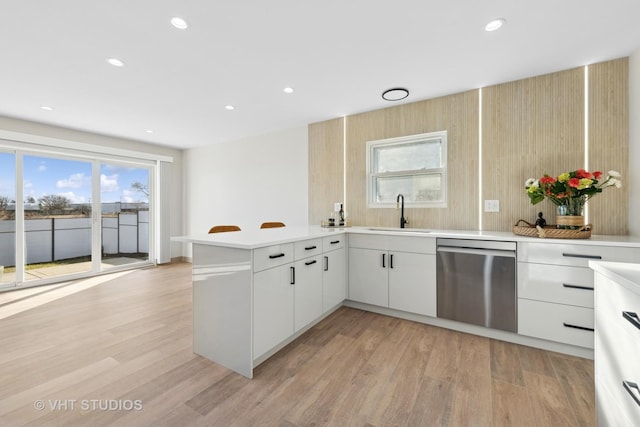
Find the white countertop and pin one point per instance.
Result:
(626, 274)
(252, 239)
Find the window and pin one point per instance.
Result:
(414, 166)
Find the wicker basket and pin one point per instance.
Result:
(550, 231)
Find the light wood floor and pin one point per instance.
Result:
(129, 340)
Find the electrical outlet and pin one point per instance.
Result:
(492, 206)
(336, 206)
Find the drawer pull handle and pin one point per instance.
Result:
(335, 242)
(310, 262)
(632, 318)
(391, 261)
(582, 328)
(582, 256)
(586, 288)
(384, 257)
(276, 256)
(293, 275)
(633, 390)
(308, 248)
(326, 263)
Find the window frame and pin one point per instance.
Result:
(372, 176)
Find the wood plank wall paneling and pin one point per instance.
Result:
(326, 168)
(609, 142)
(530, 128)
(458, 114)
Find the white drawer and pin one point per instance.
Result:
(556, 322)
(307, 248)
(272, 256)
(419, 245)
(331, 243)
(616, 357)
(575, 255)
(368, 241)
(556, 283)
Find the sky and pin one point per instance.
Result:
(72, 179)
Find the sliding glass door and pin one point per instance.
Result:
(7, 218)
(57, 216)
(124, 196)
(64, 217)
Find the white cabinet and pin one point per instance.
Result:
(556, 289)
(617, 345)
(273, 296)
(307, 284)
(393, 271)
(334, 279)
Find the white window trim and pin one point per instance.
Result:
(371, 188)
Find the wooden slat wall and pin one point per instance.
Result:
(326, 168)
(529, 127)
(609, 142)
(458, 114)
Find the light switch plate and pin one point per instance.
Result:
(336, 207)
(492, 206)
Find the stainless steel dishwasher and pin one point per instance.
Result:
(476, 282)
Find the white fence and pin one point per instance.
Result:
(55, 239)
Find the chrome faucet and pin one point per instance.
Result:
(400, 202)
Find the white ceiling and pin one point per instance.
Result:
(338, 55)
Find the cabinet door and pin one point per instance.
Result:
(334, 284)
(272, 308)
(308, 291)
(412, 282)
(368, 276)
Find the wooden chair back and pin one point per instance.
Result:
(223, 228)
(274, 224)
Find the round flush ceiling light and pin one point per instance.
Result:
(288, 90)
(115, 62)
(495, 24)
(46, 107)
(179, 23)
(229, 107)
(395, 94)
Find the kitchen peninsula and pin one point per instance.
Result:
(256, 291)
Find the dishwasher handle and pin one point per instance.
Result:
(483, 252)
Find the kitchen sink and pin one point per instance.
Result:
(405, 230)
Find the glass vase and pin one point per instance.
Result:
(570, 214)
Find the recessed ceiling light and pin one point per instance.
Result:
(148, 131)
(229, 107)
(179, 23)
(395, 94)
(495, 24)
(288, 90)
(46, 107)
(115, 62)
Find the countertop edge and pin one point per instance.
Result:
(626, 274)
(260, 238)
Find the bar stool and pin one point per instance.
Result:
(223, 228)
(272, 224)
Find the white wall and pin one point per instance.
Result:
(247, 182)
(39, 129)
(634, 143)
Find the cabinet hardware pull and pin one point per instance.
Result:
(628, 385)
(384, 260)
(276, 256)
(293, 275)
(308, 248)
(391, 261)
(333, 242)
(310, 262)
(582, 256)
(582, 328)
(632, 318)
(567, 285)
(326, 263)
